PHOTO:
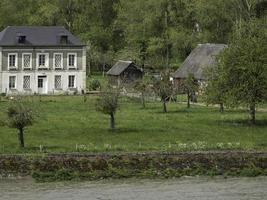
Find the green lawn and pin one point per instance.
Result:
(67, 124)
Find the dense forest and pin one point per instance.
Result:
(156, 34)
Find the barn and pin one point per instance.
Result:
(124, 73)
(201, 58)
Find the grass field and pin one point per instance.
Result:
(67, 124)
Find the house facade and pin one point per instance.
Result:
(41, 60)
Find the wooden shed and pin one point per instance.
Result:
(201, 58)
(124, 72)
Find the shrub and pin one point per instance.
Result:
(94, 84)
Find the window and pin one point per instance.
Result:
(71, 81)
(12, 82)
(40, 83)
(26, 82)
(42, 60)
(26, 60)
(58, 60)
(12, 60)
(58, 82)
(72, 57)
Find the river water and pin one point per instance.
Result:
(172, 189)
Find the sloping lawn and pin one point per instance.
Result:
(67, 124)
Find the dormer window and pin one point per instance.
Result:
(21, 38)
(63, 39)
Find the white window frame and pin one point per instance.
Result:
(16, 60)
(74, 82)
(75, 61)
(46, 61)
(30, 54)
(60, 88)
(23, 83)
(54, 60)
(15, 82)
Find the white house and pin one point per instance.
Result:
(41, 60)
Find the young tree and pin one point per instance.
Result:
(107, 103)
(20, 116)
(143, 87)
(164, 89)
(244, 67)
(190, 86)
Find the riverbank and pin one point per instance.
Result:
(62, 167)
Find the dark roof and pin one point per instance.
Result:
(202, 57)
(119, 67)
(37, 36)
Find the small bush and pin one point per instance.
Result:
(94, 85)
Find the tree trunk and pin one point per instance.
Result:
(221, 107)
(112, 121)
(84, 98)
(21, 137)
(252, 112)
(164, 106)
(143, 100)
(103, 69)
(188, 100)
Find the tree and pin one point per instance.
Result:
(164, 89)
(190, 86)
(20, 116)
(215, 89)
(143, 87)
(244, 67)
(107, 103)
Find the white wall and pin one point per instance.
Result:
(80, 78)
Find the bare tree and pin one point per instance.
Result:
(143, 87)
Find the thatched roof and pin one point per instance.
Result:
(119, 67)
(202, 57)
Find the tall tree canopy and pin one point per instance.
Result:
(242, 68)
(157, 34)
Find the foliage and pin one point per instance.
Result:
(243, 67)
(94, 84)
(19, 116)
(154, 33)
(164, 89)
(214, 89)
(143, 86)
(107, 103)
(190, 86)
(155, 165)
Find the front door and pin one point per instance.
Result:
(42, 84)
